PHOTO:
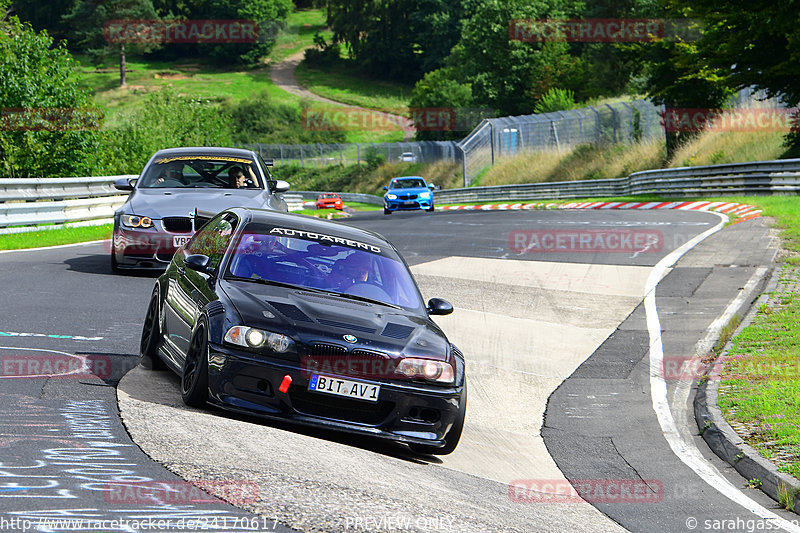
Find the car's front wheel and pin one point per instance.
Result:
(430, 208)
(386, 211)
(452, 437)
(151, 337)
(194, 381)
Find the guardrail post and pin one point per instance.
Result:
(597, 129)
(491, 139)
(632, 129)
(613, 120)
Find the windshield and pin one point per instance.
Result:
(201, 171)
(406, 184)
(263, 253)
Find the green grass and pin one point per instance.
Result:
(208, 82)
(340, 84)
(54, 237)
(760, 388)
(299, 33)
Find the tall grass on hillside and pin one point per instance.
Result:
(581, 162)
(715, 148)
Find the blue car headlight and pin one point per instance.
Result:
(425, 195)
(391, 196)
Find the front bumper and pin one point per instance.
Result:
(407, 205)
(149, 249)
(405, 412)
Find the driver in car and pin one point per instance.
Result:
(236, 177)
(355, 269)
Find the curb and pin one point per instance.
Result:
(741, 211)
(721, 437)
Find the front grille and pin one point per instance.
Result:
(396, 331)
(342, 325)
(177, 224)
(345, 409)
(407, 197)
(323, 349)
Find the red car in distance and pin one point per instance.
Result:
(329, 200)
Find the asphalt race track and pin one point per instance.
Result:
(558, 335)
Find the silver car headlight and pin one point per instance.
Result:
(135, 221)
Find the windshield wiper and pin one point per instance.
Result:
(363, 299)
(267, 282)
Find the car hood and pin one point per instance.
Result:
(160, 203)
(318, 317)
(415, 190)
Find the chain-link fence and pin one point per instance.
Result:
(317, 155)
(509, 136)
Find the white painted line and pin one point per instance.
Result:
(687, 452)
(84, 369)
(51, 336)
(53, 247)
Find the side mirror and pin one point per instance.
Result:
(385, 188)
(437, 306)
(281, 186)
(124, 184)
(431, 186)
(198, 263)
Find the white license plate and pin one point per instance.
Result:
(180, 240)
(344, 387)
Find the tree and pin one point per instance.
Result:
(439, 90)
(755, 44)
(88, 19)
(48, 125)
(398, 39)
(507, 74)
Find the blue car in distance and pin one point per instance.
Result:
(408, 193)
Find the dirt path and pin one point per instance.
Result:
(282, 75)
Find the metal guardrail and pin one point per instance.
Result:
(761, 177)
(25, 203)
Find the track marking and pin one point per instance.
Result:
(53, 247)
(687, 452)
(49, 336)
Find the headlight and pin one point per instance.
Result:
(426, 369)
(257, 338)
(425, 195)
(134, 221)
(391, 196)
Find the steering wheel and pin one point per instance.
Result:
(368, 290)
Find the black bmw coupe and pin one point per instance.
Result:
(291, 317)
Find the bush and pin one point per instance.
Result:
(324, 54)
(440, 89)
(373, 158)
(258, 120)
(555, 100)
(165, 120)
(54, 132)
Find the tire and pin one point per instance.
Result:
(386, 211)
(114, 264)
(430, 209)
(151, 338)
(451, 438)
(194, 379)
